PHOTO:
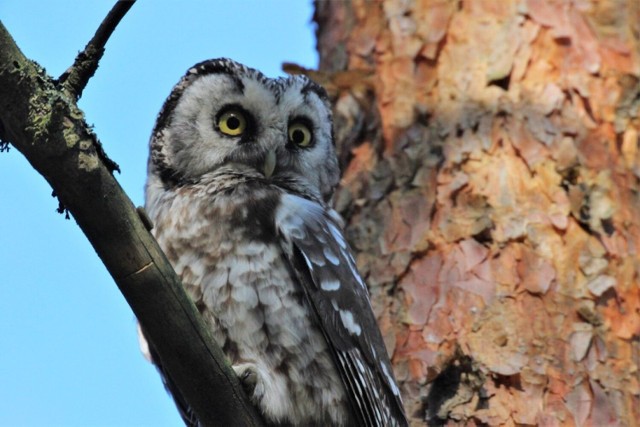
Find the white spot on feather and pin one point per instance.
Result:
(330, 256)
(390, 380)
(337, 235)
(330, 285)
(349, 322)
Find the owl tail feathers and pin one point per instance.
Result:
(144, 345)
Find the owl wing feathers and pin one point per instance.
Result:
(325, 268)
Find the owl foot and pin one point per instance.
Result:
(248, 375)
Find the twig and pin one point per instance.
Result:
(73, 81)
(77, 76)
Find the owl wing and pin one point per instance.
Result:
(322, 262)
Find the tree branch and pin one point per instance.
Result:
(76, 77)
(47, 127)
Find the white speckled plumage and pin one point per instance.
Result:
(261, 253)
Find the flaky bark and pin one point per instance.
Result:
(41, 119)
(490, 155)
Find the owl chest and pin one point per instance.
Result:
(248, 295)
(230, 262)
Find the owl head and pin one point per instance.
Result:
(223, 114)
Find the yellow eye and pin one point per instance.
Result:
(300, 135)
(232, 122)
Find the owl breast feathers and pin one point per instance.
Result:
(240, 171)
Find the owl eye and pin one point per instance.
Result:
(232, 122)
(300, 134)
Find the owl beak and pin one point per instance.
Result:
(270, 163)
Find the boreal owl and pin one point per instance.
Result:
(241, 171)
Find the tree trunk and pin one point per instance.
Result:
(491, 190)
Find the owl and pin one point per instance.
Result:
(240, 174)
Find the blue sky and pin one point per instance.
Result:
(68, 349)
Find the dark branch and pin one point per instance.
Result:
(45, 125)
(77, 76)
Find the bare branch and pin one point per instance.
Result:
(47, 127)
(76, 77)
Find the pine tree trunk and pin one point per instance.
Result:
(491, 189)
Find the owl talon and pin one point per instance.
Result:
(248, 376)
